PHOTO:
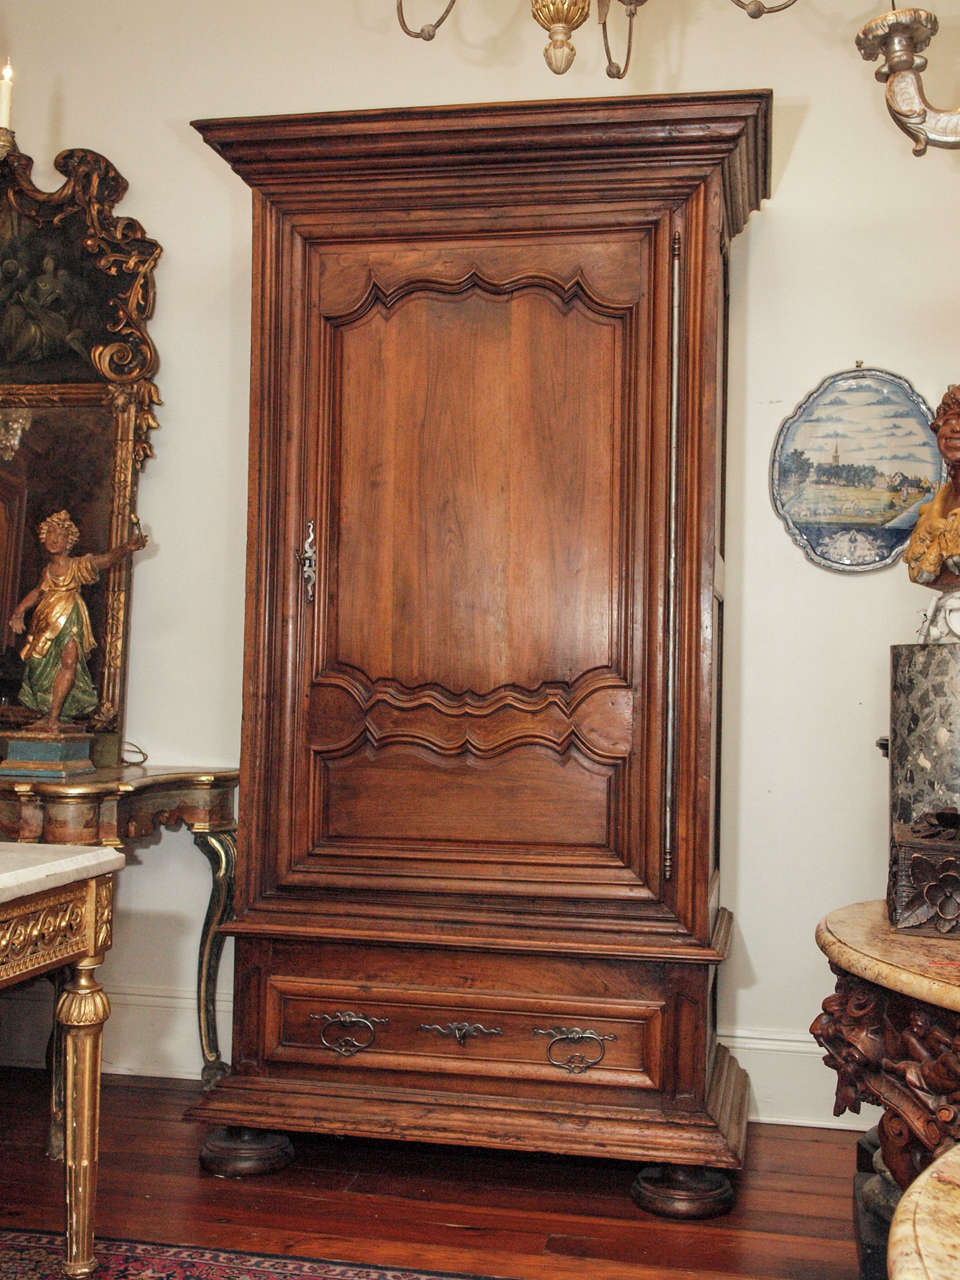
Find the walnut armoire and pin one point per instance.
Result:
(477, 896)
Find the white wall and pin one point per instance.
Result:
(852, 259)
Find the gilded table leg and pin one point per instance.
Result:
(58, 979)
(82, 1011)
(220, 850)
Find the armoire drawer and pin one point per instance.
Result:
(334, 1024)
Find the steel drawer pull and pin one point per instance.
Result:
(575, 1063)
(342, 1041)
(461, 1031)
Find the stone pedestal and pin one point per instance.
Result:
(923, 890)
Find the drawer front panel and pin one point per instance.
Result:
(330, 1024)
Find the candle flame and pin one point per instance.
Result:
(8, 71)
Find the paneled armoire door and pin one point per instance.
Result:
(477, 895)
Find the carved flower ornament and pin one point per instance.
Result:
(937, 894)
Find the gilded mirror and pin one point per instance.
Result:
(77, 399)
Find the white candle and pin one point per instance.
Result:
(6, 95)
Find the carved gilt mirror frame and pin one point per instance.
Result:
(77, 396)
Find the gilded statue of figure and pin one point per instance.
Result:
(932, 556)
(56, 678)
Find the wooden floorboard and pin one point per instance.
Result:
(493, 1213)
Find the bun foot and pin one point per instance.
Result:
(682, 1191)
(234, 1152)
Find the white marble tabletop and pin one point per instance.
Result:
(924, 1241)
(32, 868)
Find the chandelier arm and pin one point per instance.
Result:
(757, 9)
(898, 38)
(430, 29)
(614, 70)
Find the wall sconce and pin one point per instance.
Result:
(899, 37)
(560, 18)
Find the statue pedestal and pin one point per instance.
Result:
(54, 756)
(923, 889)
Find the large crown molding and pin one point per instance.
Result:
(647, 148)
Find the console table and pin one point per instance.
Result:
(119, 805)
(56, 905)
(891, 1031)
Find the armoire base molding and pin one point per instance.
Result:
(714, 1137)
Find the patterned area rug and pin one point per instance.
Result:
(37, 1255)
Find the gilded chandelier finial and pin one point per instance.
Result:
(560, 18)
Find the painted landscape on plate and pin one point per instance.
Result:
(851, 467)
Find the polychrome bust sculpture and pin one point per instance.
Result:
(933, 553)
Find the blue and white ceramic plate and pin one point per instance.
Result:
(852, 465)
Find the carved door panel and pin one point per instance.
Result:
(478, 709)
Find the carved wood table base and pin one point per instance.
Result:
(891, 1031)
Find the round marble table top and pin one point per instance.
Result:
(924, 1242)
(861, 940)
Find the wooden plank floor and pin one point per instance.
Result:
(502, 1214)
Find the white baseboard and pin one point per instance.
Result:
(150, 1032)
(789, 1082)
(153, 1032)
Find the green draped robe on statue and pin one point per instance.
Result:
(59, 617)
